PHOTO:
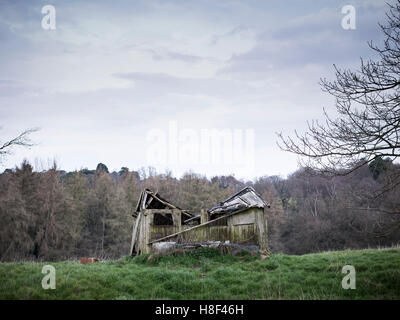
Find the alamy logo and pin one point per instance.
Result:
(49, 20)
(49, 280)
(349, 20)
(176, 146)
(349, 281)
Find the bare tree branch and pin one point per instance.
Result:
(368, 104)
(21, 140)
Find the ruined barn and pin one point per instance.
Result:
(237, 221)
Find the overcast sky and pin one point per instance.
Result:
(114, 72)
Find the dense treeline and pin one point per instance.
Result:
(56, 215)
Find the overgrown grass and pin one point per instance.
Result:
(208, 274)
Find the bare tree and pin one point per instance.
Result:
(367, 102)
(21, 140)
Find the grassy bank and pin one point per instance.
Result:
(207, 274)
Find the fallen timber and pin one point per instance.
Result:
(164, 248)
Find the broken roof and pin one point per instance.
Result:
(245, 198)
(152, 200)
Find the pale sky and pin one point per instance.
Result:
(113, 72)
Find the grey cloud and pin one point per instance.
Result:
(315, 39)
(170, 55)
(11, 88)
(161, 83)
(234, 31)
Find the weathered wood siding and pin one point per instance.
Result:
(248, 227)
(247, 217)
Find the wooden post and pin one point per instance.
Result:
(262, 231)
(204, 219)
(177, 219)
(203, 216)
(145, 237)
(135, 232)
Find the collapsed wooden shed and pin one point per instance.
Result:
(239, 220)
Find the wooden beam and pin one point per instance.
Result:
(195, 227)
(135, 233)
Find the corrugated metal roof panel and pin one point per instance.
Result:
(246, 198)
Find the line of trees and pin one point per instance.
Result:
(56, 215)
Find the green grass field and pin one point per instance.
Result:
(208, 274)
